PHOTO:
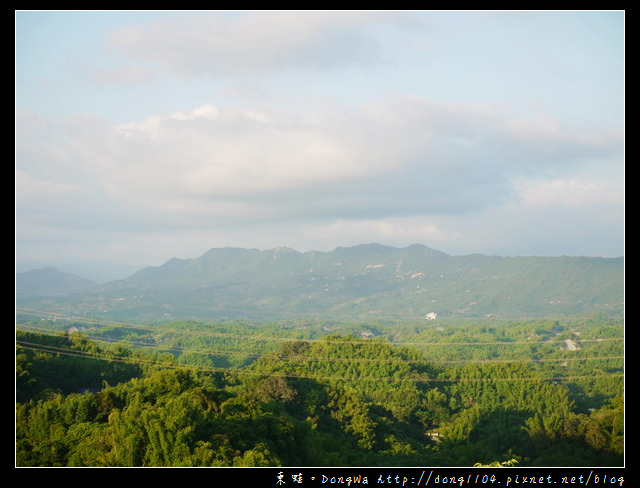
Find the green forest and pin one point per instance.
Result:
(525, 393)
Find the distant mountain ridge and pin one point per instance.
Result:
(50, 281)
(359, 282)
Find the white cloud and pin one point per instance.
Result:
(207, 111)
(256, 42)
(399, 157)
(569, 192)
(401, 171)
(216, 154)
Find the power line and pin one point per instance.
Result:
(248, 355)
(204, 333)
(420, 379)
(212, 352)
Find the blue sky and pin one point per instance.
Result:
(142, 136)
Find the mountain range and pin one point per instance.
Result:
(360, 282)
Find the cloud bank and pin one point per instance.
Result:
(402, 158)
(349, 135)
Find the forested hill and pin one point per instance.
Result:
(337, 401)
(366, 281)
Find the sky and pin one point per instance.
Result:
(146, 135)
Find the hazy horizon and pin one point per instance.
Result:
(108, 271)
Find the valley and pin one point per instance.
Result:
(363, 356)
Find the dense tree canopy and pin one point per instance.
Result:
(333, 401)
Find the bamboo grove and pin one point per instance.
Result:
(187, 394)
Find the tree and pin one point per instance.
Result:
(274, 389)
